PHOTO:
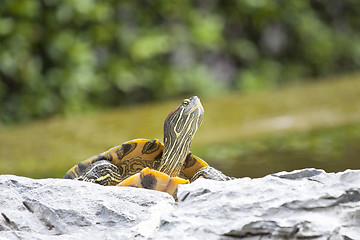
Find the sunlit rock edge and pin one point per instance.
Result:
(308, 203)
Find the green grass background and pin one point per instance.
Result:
(312, 125)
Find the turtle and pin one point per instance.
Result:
(150, 164)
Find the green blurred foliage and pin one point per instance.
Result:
(331, 149)
(68, 56)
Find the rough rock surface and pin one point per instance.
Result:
(304, 204)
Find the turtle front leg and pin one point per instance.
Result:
(155, 180)
(101, 172)
(210, 173)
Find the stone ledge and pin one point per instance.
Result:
(303, 204)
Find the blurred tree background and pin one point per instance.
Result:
(84, 58)
(62, 57)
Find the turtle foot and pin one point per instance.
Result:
(210, 173)
(155, 180)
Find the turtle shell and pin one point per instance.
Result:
(133, 156)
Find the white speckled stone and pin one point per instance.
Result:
(303, 204)
(69, 209)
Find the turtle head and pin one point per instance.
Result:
(180, 127)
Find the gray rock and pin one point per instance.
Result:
(304, 204)
(68, 209)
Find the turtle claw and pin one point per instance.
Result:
(155, 180)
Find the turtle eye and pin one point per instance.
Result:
(185, 102)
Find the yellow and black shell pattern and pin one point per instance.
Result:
(133, 156)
